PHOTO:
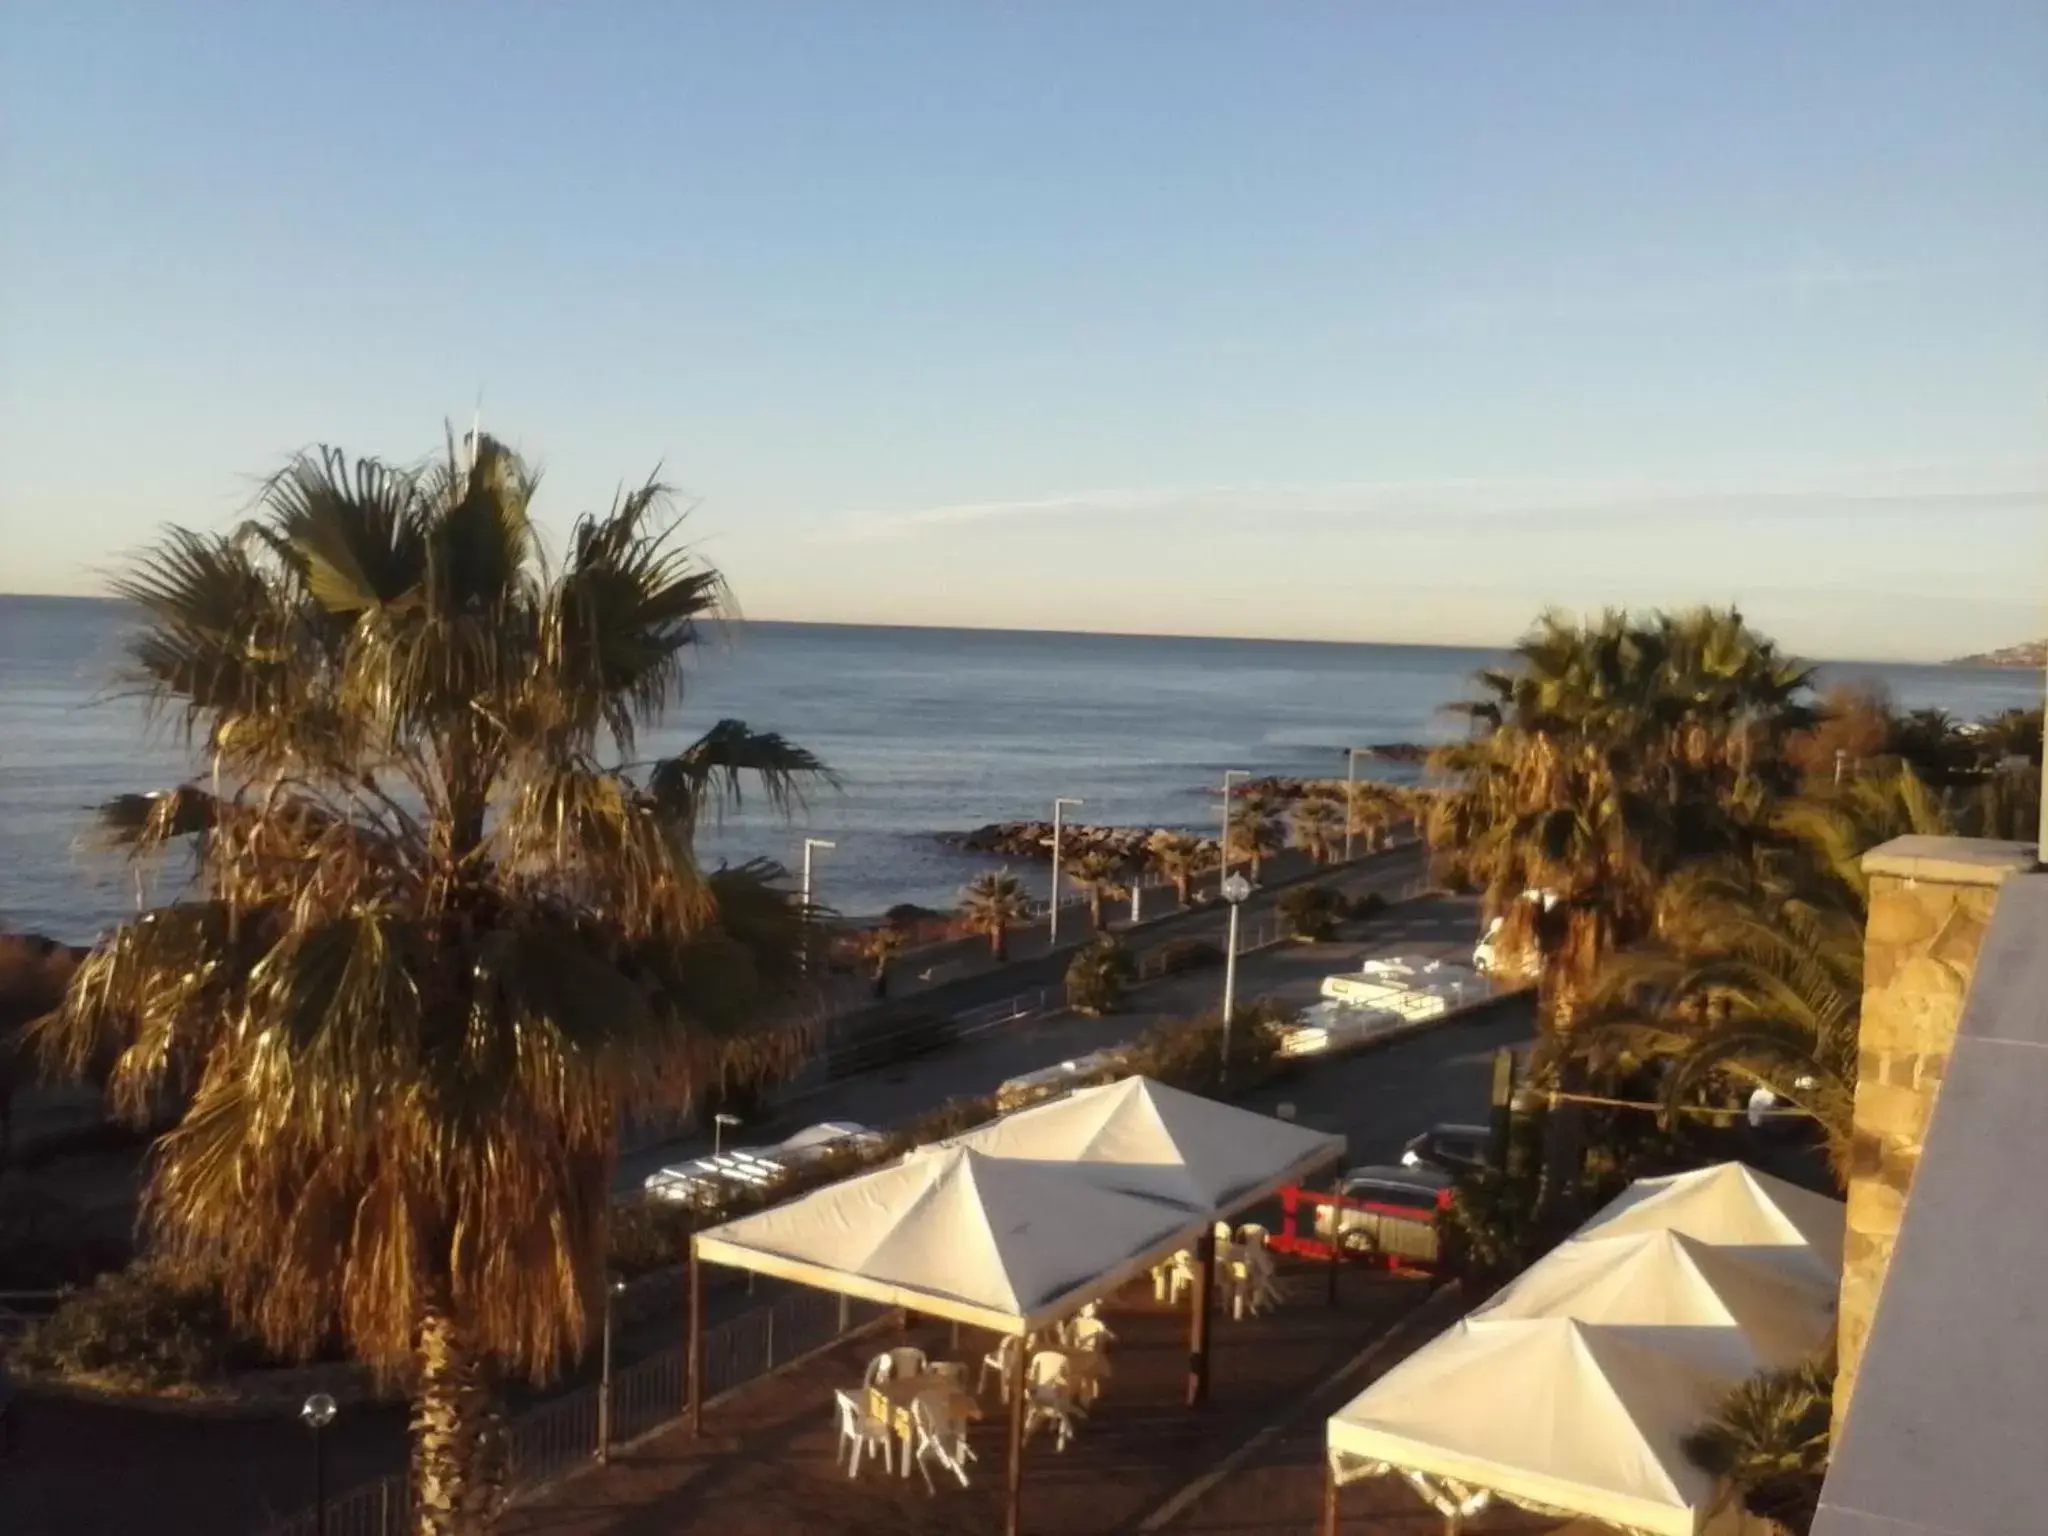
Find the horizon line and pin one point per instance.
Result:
(741, 620)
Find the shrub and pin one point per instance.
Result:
(1312, 912)
(1186, 955)
(645, 1236)
(141, 1327)
(1365, 905)
(1098, 976)
(1188, 1053)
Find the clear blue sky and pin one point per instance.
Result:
(1364, 320)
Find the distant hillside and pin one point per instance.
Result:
(2033, 654)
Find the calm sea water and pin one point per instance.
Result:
(929, 730)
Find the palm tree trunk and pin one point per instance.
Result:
(1095, 907)
(999, 942)
(1183, 881)
(457, 1446)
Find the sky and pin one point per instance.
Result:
(1364, 321)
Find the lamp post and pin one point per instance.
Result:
(1052, 930)
(1235, 889)
(318, 1412)
(612, 1289)
(1351, 757)
(1223, 848)
(719, 1122)
(809, 844)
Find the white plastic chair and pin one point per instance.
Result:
(1049, 1395)
(941, 1430)
(878, 1370)
(906, 1362)
(1253, 1286)
(1090, 1335)
(1252, 1235)
(860, 1431)
(1182, 1277)
(1002, 1360)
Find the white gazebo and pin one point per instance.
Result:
(1571, 1392)
(1023, 1222)
(1140, 1137)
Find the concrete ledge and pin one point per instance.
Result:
(1949, 860)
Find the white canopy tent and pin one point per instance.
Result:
(951, 1231)
(1140, 1137)
(1570, 1391)
(1681, 1286)
(1731, 1205)
(1020, 1224)
(1459, 1420)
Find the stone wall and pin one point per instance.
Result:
(1930, 903)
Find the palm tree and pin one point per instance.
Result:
(1768, 1442)
(1605, 757)
(992, 905)
(441, 937)
(1100, 874)
(1255, 830)
(1755, 973)
(1098, 976)
(1179, 856)
(879, 946)
(1318, 825)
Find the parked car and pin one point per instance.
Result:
(1395, 1216)
(1451, 1148)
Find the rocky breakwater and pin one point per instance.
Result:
(1033, 840)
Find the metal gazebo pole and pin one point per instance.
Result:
(696, 1355)
(1014, 1513)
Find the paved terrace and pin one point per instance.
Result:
(1140, 1461)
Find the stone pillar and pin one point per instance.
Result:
(1930, 902)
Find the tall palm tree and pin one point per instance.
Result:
(1100, 874)
(1605, 756)
(1318, 822)
(441, 935)
(1256, 829)
(992, 905)
(1179, 856)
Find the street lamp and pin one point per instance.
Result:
(1052, 931)
(1351, 757)
(809, 844)
(318, 1412)
(719, 1122)
(1223, 849)
(604, 1382)
(1235, 889)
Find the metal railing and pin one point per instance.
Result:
(566, 1434)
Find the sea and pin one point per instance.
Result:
(928, 731)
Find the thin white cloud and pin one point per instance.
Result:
(1902, 489)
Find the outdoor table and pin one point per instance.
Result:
(890, 1402)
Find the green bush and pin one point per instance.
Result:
(1368, 904)
(1312, 912)
(1187, 955)
(1098, 976)
(141, 1327)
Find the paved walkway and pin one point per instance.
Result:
(766, 1465)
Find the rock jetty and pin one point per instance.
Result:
(1033, 840)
